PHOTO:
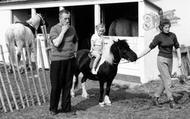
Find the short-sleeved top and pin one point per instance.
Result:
(165, 43)
(66, 49)
(98, 43)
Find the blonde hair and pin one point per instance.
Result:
(101, 25)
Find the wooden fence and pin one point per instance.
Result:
(20, 90)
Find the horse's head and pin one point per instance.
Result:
(37, 20)
(122, 50)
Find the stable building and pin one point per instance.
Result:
(85, 15)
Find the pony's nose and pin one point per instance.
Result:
(133, 58)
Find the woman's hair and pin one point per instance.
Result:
(164, 22)
(100, 26)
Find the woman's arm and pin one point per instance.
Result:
(146, 51)
(179, 57)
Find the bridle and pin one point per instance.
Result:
(120, 56)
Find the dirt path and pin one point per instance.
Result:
(126, 104)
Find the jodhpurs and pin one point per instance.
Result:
(165, 69)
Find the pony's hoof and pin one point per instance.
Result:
(72, 94)
(108, 104)
(101, 104)
(107, 101)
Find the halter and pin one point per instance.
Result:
(120, 56)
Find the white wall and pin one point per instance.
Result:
(182, 28)
(150, 60)
(4, 23)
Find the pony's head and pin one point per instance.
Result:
(121, 49)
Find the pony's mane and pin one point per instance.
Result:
(107, 55)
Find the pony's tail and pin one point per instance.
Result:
(9, 38)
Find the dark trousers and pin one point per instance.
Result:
(61, 76)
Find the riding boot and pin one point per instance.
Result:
(156, 102)
(173, 105)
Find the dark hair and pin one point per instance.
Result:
(164, 22)
(63, 11)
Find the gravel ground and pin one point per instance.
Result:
(126, 104)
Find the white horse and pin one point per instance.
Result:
(21, 35)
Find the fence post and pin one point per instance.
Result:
(31, 69)
(9, 83)
(27, 79)
(2, 101)
(43, 67)
(17, 85)
(22, 84)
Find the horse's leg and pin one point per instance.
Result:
(27, 60)
(75, 79)
(106, 98)
(83, 84)
(101, 102)
(20, 45)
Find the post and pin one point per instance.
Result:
(97, 14)
(27, 79)
(2, 101)
(43, 68)
(15, 78)
(32, 74)
(22, 84)
(9, 82)
(141, 41)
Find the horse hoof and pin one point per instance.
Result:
(101, 104)
(107, 101)
(108, 104)
(72, 94)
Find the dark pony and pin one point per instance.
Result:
(112, 53)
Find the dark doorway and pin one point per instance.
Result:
(84, 24)
(21, 15)
(51, 15)
(122, 10)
